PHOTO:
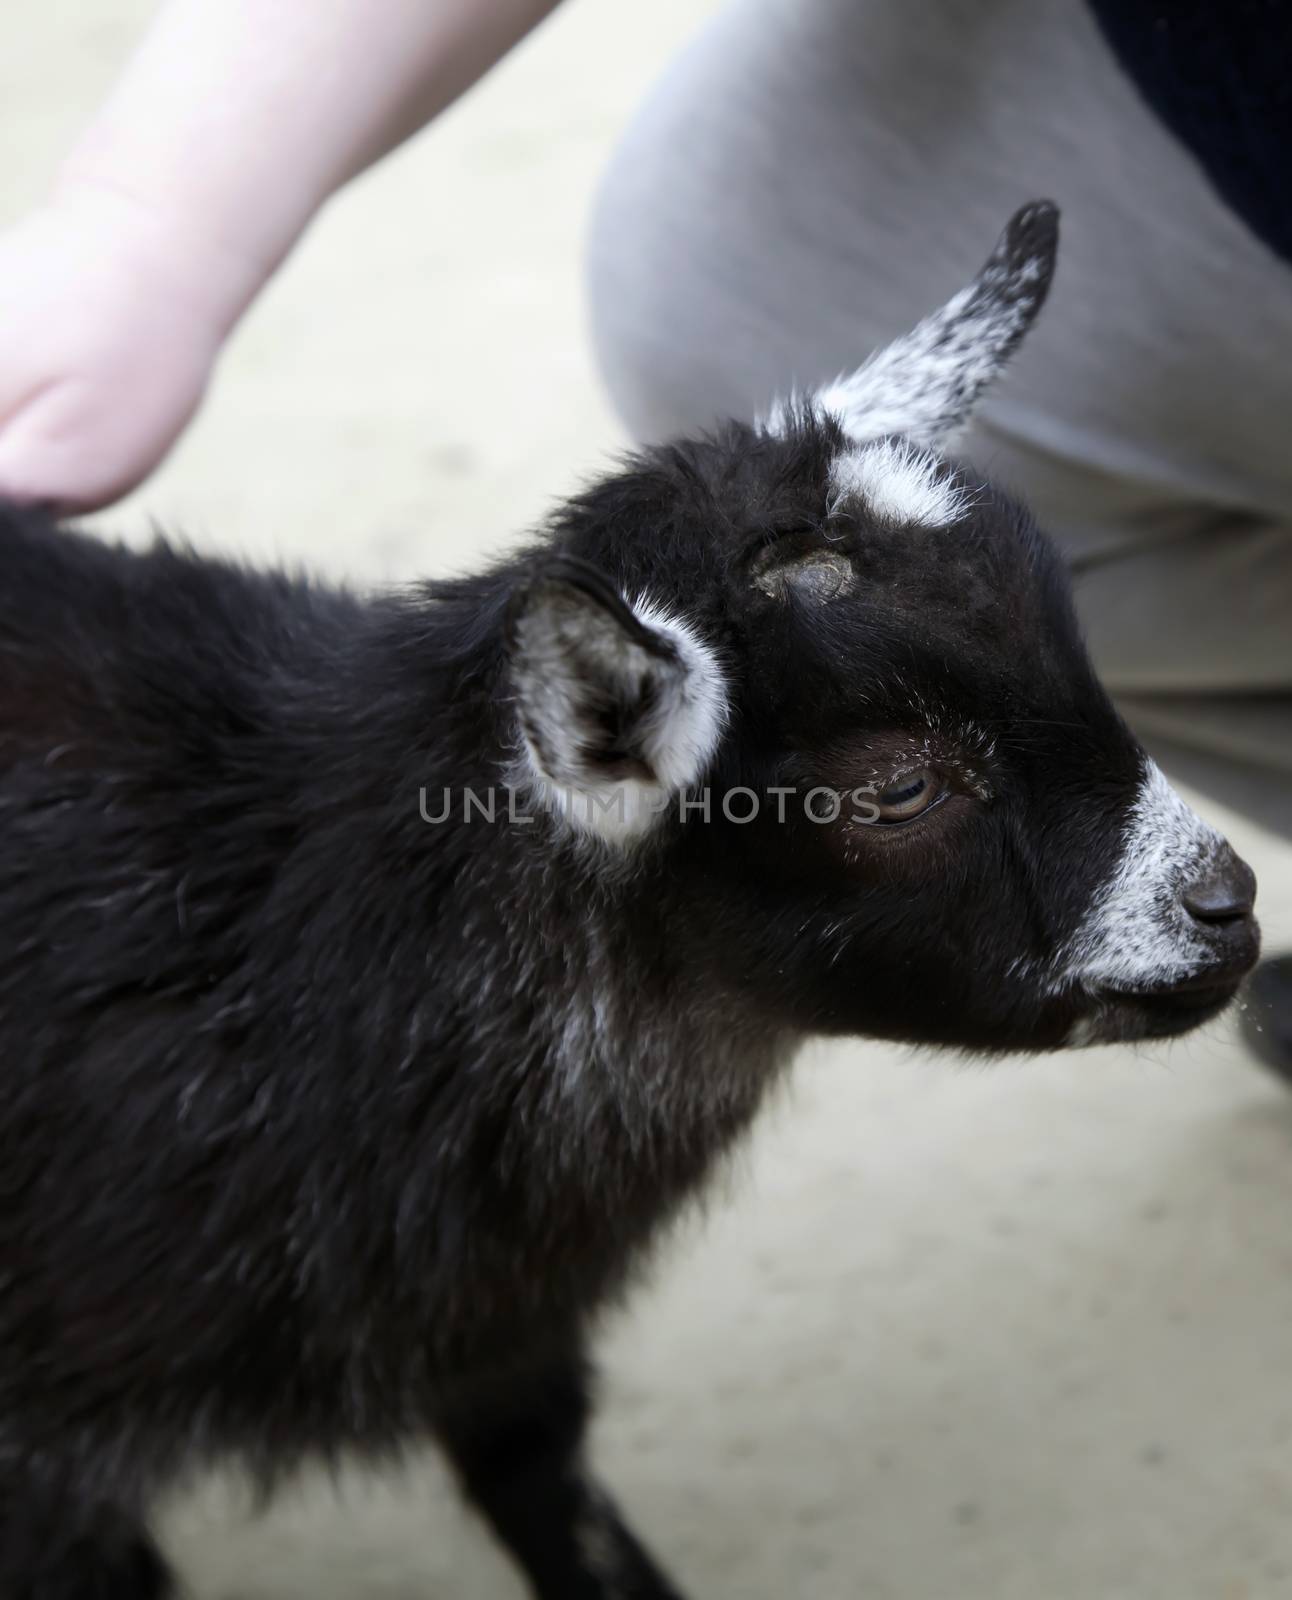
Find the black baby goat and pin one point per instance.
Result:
(377, 975)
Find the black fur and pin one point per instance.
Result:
(323, 1129)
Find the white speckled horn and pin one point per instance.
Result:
(924, 385)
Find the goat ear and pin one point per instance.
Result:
(620, 707)
(924, 386)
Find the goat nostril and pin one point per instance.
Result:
(1227, 893)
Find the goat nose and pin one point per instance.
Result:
(1224, 892)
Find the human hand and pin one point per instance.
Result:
(110, 324)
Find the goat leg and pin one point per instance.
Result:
(517, 1448)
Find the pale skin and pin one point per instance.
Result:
(231, 126)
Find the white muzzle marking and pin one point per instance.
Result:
(1137, 934)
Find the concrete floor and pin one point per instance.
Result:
(948, 1334)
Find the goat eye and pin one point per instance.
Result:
(912, 795)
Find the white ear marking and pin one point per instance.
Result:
(684, 732)
(619, 713)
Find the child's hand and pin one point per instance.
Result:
(231, 126)
(109, 327)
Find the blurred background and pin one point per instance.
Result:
(946, 1332)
